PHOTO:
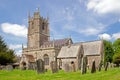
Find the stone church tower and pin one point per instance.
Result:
(39, 45)
(38, 30)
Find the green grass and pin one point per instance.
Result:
(111, 74)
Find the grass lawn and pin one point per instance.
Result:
(111, 74)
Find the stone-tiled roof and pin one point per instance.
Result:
(93, 47)
(59, 42)
(69, 51)
(89, 48)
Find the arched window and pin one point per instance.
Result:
(46, 59)
(43, 26)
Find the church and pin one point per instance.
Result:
(39, 46)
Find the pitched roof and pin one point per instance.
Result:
(59, 42)
(92, 48)
(68, 52)
(89, 48)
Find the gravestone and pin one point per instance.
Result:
(67, 67)
(3, 67)
(93, 70)
(109, 65)
(9, 67)
(0, 67)
(32, 66)
(53, 65)
(40, 66)
(84, 65)
(106, 66)
(112, 65)
(100, 66)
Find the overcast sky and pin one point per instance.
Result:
(83, 20)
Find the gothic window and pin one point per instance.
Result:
(46, 59)
(43, 26)
(32, 25)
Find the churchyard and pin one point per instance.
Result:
(38, 72)
(110, 74)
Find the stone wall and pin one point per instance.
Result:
(69, 63)
(91, 58)
(39, 54)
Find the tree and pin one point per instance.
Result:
(3, 46)
(6, 55)
(116, 46)
(116, 57)
(108, 51)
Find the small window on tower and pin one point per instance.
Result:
(43, 26)
(32, 25)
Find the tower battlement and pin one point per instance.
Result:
(38, 30)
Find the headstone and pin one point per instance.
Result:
(106, 66)
(32, 66)
(0, 67)
(100, 66)
(109, 65)
(67, 67)
(40, 66)
(93, 70)
(84, 65)
(9, 67)
(3, 67)
(53, 65)
(112, 65)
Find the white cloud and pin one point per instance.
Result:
(70, 27)
(87, 30)
(91, 31)
(105, 36)
(96, 29)
(104, 6)
(118, 20)
(19, 52)
(68, 14)
(116, 35)
(15, 46)
(14, 29)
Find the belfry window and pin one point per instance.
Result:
(43, 26)
(46, 59)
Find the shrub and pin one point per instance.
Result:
(116, 59)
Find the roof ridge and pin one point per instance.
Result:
(91, 41)
(60, 39)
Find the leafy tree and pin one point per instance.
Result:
(116, 57)
(108, 51)
(116, 46)
(6, 54)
